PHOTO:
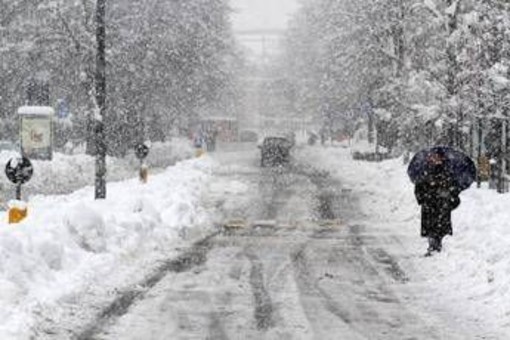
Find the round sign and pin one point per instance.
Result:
(141, 151)
(19, 170)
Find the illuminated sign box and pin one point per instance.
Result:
(36, 131)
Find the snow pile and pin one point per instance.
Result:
(384, 187)
(66, 173)
(472, 274)
(69, 243)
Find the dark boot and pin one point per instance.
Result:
(439, 244)
(435, 244)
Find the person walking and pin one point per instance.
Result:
(438, 194)
(440, 173)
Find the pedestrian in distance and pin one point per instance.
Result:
(440, 174)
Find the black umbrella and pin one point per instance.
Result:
(457, 164)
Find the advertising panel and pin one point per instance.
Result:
(36, 132)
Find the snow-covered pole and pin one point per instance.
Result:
(100, 181)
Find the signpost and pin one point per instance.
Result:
(19, 170)
(141, 152)
(36, 131)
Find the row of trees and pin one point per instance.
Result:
(166, 62)
(421, 71)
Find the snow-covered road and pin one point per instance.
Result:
(309, 265)
(321, 283)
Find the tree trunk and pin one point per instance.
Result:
(452, 73)
(399, 38)
(89, 94)
(502, 163)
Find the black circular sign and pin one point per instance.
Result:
(19, 170)
(141, 151)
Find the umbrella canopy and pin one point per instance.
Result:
(457, 164)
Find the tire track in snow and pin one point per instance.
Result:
(263, 305)
(308, 286)
(216, 331)
(195, 256)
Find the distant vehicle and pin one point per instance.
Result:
(275, 151)
(248, 136)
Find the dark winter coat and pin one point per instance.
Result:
(438, 194)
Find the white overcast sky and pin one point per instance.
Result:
(261, 14)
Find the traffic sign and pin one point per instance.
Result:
(141, 151)
(19, 170)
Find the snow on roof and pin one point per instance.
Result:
(36, 110)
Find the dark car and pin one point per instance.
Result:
(275, 151)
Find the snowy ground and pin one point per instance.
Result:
(73, 252)
(69, 243)
(471, 277)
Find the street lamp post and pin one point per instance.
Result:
(100, 181)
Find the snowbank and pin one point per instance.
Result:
(69, 243)
(472, 275)
(66, 173)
